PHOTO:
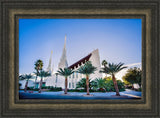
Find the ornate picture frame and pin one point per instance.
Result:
(12, 10)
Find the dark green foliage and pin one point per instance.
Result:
(82, 84)
(94, 85)
(30, 88)
(87, 68)
(25, 77)
(55, 88)
(112, 68)
(44, 87)
(44, 74)
(121, 85)
(140, 89)
(51, 88)
(109, 85)
(65, 72)
(76, 90)
(100, 83)
(38, 65)
(133, 76)
(36, 89)
(104, 63)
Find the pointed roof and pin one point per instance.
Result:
(50, 61)
(83, 60)
(63, 61)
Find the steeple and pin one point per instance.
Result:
(63, 61)
(50, 61)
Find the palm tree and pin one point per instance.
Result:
(112, 69)
(87, 69)
(38, 66)
(43, 74)
(56, 79)
(82, 84)
(65, 72)
(27, 77)
(104, 63)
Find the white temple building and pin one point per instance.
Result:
(56, 80)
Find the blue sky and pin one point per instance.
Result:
(118, 40)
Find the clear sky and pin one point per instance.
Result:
(118, 40)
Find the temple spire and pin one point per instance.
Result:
(50, 61)
(52, 71)
(63, 61)
(65, 42)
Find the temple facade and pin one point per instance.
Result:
(75, 77)
(56, 80)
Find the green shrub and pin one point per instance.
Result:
(51, 88)
(30, 88)
(140, 89)
(76, 90)
(36, 89)
(121, 86)
(44, 87)
(109, 86)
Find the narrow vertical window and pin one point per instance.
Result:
(76, 74)
(72, 85)
(73, 75)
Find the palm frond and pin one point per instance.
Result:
(44, 73)
(65, 72)
(87, 68)
(112, 68)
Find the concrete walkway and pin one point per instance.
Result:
(128, 94)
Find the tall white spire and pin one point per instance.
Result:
(52, 70)
(63, 61)
(50, 61)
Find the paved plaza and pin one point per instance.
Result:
(128, 94)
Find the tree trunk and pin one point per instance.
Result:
(26, 85)
(40, 86)
(132, 87)
(35, 83)
(66, 83)
(115, 85)
(87, 84)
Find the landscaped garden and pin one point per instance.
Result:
(106, 85)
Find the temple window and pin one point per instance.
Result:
(73, 75)
(76, 74)
(69, 85)
(72, 85)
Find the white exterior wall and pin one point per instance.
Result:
(95, 60)
(55, 81)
